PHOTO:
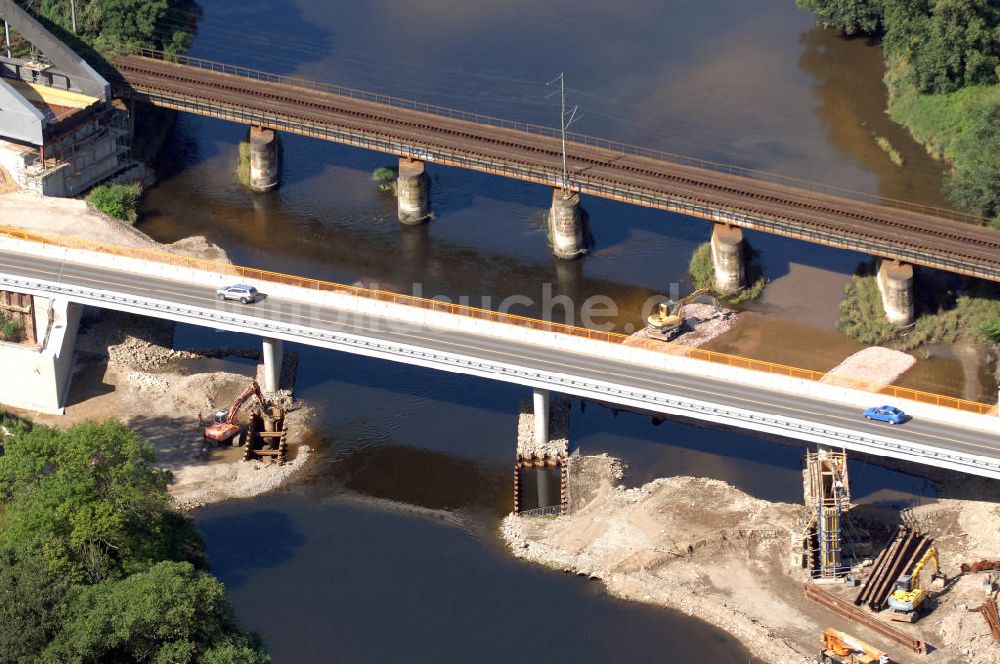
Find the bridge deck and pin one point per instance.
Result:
(890, 232)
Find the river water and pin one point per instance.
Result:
(387, 552)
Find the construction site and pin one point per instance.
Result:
(827, 580)
(62, 132)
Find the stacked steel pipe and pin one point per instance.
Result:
(896, 559)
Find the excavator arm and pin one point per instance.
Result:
(687, 300)
(253, 389)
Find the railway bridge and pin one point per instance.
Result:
(899, 234)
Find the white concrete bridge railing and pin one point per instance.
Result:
(382, 319)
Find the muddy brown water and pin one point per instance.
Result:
(386, 551)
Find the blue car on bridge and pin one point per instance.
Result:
(889, 414)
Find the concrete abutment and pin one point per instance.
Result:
(38, 375)
(265, 159)
(412, 195)
(566, 230)
(727, 258)
(895, 283)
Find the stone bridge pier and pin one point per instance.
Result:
(895, 282)
(566, 224)
(412, 195)
(727, 258)
(265, 159)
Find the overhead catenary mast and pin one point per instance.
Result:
(565, 120)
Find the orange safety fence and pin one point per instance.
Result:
(482, 314)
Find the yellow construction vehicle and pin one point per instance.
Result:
(668, 319)
(909, 599)
(841, 648)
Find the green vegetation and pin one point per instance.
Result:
(886, 147)
(943, 78)
(702, 274)
(972, 314)
(111, 26)
(386, 178)
(94, 563)
(10, 329)
(243, 164)
(118, 201)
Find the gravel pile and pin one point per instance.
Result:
(558, 442)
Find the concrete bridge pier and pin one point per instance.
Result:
(412, 192)
(541, 411)
(265, 158)
(566, 224)
(273, 355)
(895, 282)
(727, 258)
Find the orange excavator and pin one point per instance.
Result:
(225, 427)
(841, 648)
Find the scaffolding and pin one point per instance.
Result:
(827, 494)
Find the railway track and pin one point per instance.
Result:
(592, 167)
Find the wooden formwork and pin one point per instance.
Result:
(20, 308)
(266, 445)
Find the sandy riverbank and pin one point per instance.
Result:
(710, 550)
(71, 217)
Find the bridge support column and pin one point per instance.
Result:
(411, 192)
(895, 282)
(566, 224)
(541, 410)
(727, 258)
(273, 355)
(265, 159)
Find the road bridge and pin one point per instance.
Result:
(417, 132)
(653, 377)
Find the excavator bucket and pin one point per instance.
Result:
(938, 582)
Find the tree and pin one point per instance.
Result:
(853, 17)
(170, 613)
(975, 182)
(90, 502)
(111, 25)
(949, 44)
(29, 601)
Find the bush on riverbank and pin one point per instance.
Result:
(942, 315)
(118, 201)
(95, 563)
(943, 72)
(702, 274)
(112, 26)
